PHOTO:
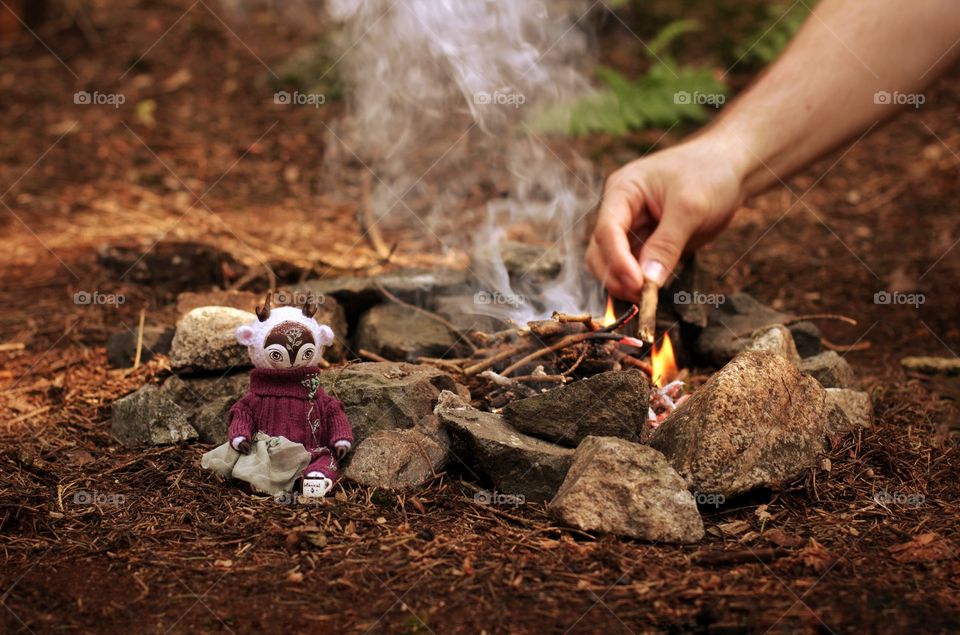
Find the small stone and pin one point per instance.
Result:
(122, 345)
(206, 340)
(623, 488)
(776, 340)
(398, 459)
(517, 464)
(386, 395)
(149, 417)
(612, 404)
(856, 407)
(755, 423)
(401, 333)
(240, 300)
(831, 370)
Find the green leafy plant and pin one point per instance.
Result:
(781, 24)
(669, 92)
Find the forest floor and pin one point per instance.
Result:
(198, 151)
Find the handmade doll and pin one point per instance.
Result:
(285, 408)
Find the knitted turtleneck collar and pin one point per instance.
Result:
(286, 382)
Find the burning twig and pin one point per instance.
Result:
(570, 340)
(623, 319)
(647, 324)
(586, 319)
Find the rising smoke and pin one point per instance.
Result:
(442, 97)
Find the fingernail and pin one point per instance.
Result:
(653, 270)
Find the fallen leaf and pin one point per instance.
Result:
(734, 528)
(924, 548)
(816, 556)
(782, 539)
(296, 577)
(178, 80)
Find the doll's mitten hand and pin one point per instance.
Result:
(342, 447)
(241, 445)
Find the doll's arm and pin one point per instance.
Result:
(340, 433)
(242, 426)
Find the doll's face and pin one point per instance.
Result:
(290, 345)
(285, 338)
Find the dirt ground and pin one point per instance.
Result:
(99, 538)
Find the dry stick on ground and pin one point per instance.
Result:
(364, 353)
(647, 324)
(799, 318)
(136, 357)
(586, 319)
(430, 314)
(371, 226)
(490, 361)
(636, 363)
(845, 348)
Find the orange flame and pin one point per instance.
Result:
(609, 317)
(663, 362)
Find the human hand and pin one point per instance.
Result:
(657, 207)
(342, 447)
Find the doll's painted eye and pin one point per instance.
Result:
(276, 356)
(307, 354)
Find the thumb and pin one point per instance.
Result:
(661, 252)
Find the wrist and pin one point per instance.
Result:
(737, 147)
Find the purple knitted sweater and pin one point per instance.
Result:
(290, 403)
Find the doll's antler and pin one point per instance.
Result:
(263, 312)
(309, 308)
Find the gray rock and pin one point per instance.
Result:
(831, 370)
(329, 311)
(776, 340)
(122, 345)
(386, 395)
(806, 335)
(179, 409)
(149, 417)
(756, 422)
(207, 400)
(742, 314)
(398, 459)
(623, 488)
(856, 407)
(403, 334)
(414, 285)
(206, 340)
(612, 404)
(517, 464)
(536, 263)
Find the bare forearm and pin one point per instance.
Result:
(823, 89)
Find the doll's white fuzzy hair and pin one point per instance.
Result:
(254, 335)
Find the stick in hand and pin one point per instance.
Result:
(647, 324)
